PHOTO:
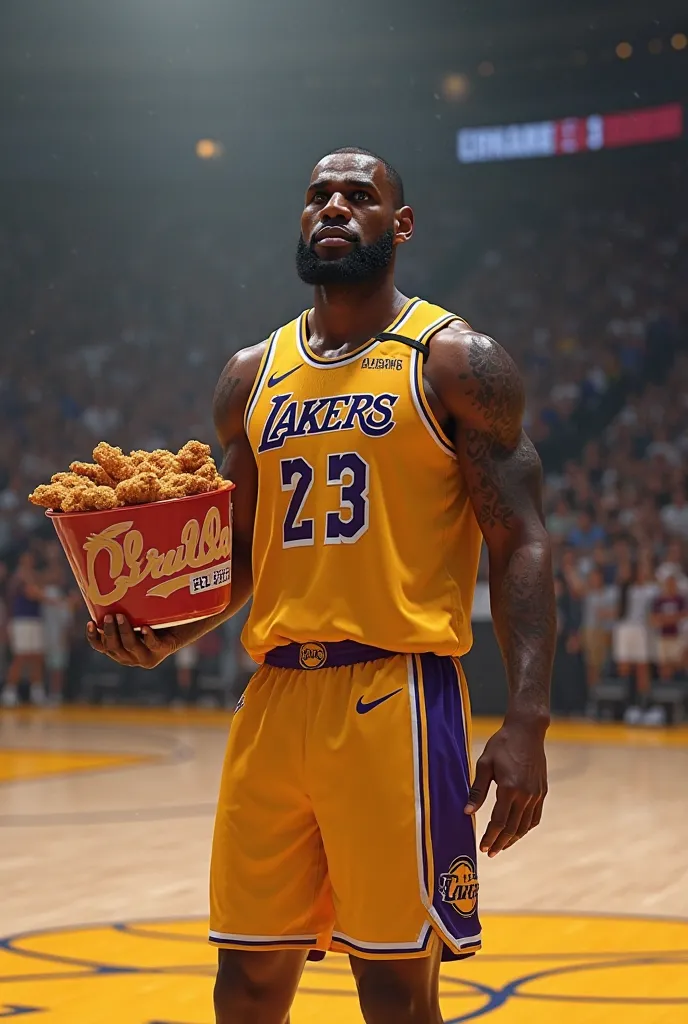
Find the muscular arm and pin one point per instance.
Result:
(229, 405)
(238, 464)
(480, 389)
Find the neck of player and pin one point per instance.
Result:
(346, 316)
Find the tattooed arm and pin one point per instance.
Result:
(479, 388)
(118, 640)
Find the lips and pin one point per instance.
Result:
(333, 237)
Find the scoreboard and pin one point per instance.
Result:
(570, 135)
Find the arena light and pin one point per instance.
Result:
(624, 50)
(456, 86)
(679, 41)
(209, 149)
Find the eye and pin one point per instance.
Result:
(359, 196)
(319, 197)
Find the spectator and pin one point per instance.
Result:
(568, 680)
(675, 516)
(25, 633)
(3, 619)
(601, 558)
(668, 612)
(633, 640)
(58, 614)
(600, 605)
(185, 662)
(560, 521)
(571, 573)
(587, 533)
(672, 565)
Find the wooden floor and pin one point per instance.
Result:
(105, 826)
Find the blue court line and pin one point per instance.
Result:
(140, 931)
(495, 998)
(632, 961)
(498, 997)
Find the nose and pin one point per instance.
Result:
(336, 208)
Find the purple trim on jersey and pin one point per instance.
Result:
(423, 796)
(337, 654)
(452, 832)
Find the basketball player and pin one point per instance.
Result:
(374, 441)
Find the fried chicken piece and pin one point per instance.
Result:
(69, 479)
(139, 489)
(161, 462)
(89, 499)
(138, 456)
(193, 455)
(104, 498)
(181, 485)
(209, 472)
(49, 495)
(92, 471)
(113, 460)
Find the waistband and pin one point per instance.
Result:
(314, 655)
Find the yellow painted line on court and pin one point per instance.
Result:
(560, 731)
(599, 733)
(21, 764)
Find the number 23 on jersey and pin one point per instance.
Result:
(346, 471)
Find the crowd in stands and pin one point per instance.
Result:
(118, 331)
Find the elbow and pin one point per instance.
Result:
(529, 560)
(533, 546)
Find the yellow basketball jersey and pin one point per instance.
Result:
(364, 529)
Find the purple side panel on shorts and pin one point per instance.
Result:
(452, 831)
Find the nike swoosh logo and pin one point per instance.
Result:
(274, 381)
(363, 709)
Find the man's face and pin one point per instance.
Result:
(349, 225)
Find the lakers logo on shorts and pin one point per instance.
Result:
(459, 886)
(312, 655)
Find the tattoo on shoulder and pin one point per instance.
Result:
(495, 388)
(226, 386)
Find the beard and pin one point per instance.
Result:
(362, 263)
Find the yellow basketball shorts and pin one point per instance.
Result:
(340, 824)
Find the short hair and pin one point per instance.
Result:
(392, 175)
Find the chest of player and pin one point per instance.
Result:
(364, 404)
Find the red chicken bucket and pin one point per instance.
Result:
(160, 564)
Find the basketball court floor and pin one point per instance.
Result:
(105, 825)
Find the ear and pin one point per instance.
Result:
(403, 225)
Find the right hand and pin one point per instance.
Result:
(122, 644)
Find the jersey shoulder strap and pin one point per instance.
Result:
(434, 319)
(388, 336)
